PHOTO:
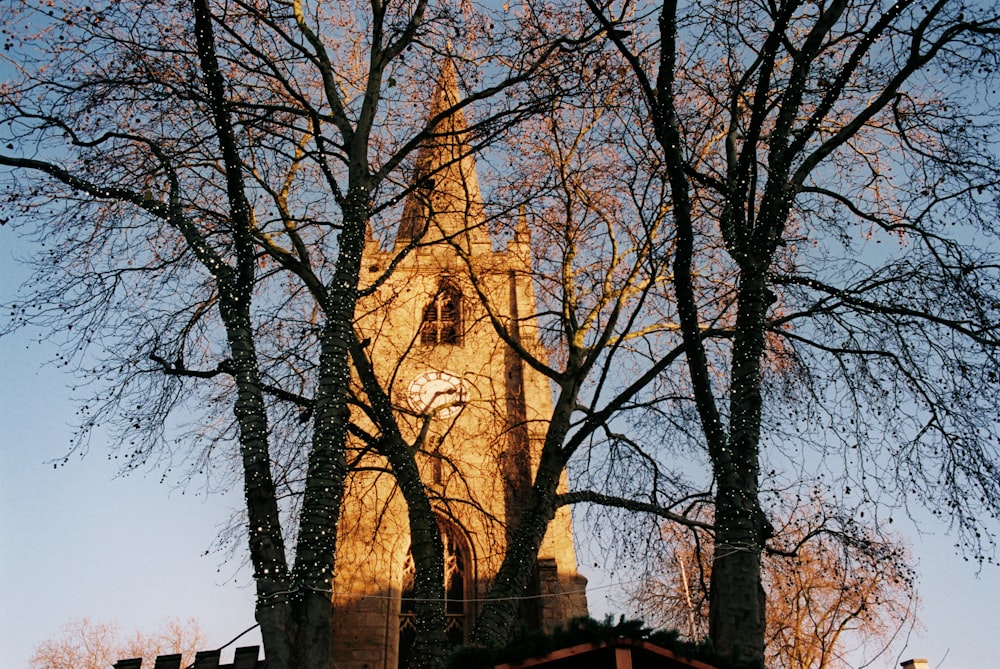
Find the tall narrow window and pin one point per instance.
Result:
(457, 570)
(437, 463)
(442, 322)
(407, 615)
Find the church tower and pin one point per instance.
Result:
(436, 351)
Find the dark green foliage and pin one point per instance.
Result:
(535, 643)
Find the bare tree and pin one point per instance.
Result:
(833, 166)
(838, 594)
(710, 189)
(84, 644)
(207, 175)
(581, 202)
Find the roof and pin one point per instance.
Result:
(622, 653)
(244, 658)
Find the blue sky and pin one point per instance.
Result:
(81, 541)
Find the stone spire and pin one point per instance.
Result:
(522, 233)
(446, 202)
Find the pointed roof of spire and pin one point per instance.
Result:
(446, 201)
(522, 233)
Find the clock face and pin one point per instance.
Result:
(438, 391)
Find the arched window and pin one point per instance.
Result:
(457, 582)
(442, 321)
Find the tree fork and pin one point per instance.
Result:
(499, 613)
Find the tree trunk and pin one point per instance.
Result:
(315, 552)
(431, 645)
(500, 611)
(267, 550)
(737, 602)
(294, 610)
(317, 539)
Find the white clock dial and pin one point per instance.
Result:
(440, 391)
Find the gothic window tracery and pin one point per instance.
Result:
(457, 583)
(442, 318)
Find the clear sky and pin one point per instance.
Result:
(79, 541)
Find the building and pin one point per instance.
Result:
(615, 653)
(435, 349)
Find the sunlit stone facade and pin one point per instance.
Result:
(433, 345)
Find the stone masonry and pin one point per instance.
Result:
(435, 349)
